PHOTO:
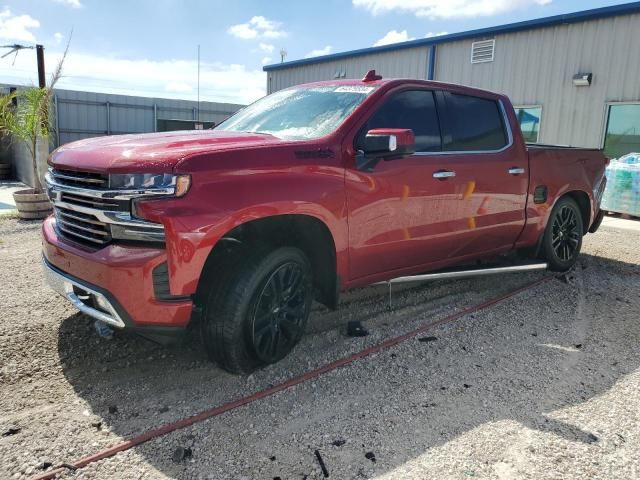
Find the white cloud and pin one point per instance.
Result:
(17, 27)
(243, 31)
(70, 3)
(257, 27)
(169, 79)
(262, 23)
(58, 37)
(266, 60)
(319, 51)
(446, 9)
(432, 34)
(266, 47)
(393, 37)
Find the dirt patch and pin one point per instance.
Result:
(544, 385)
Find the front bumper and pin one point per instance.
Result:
(113, 284)
(89, 301)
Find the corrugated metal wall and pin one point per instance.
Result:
(533, 67)
(536, 67)
(87, 114)
(408, 63)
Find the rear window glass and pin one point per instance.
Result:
(473, 124)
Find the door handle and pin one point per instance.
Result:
(443, 174)
(516, 171)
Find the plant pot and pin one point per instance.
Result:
(32, 205)
(5, 171)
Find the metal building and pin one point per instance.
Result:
(78, 115)
(574, 79)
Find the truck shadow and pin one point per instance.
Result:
(576, 339)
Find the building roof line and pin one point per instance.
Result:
(581, 16)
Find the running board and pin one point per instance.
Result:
(478, 272)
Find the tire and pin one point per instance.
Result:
(562, 239)
(253, 318)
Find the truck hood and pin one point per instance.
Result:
(151, 152)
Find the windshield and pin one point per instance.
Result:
(299, 113)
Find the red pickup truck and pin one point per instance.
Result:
(308, 192)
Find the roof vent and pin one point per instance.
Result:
(371, 76)
(482, 51)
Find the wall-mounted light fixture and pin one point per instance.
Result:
(582, 79)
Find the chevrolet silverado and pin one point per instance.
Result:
(308, 192)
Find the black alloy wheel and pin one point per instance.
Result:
(562, 238)
(280, 313)
(565, 236)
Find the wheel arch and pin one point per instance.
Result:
(306, 232)
(584, 204)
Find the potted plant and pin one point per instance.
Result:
(28, 122)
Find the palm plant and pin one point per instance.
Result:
(29, 120)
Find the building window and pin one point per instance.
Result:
(482, 51)
(622, 134)
(170, 125)
(529, 120)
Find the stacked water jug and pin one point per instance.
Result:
(622, 194)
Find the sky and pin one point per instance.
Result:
(149, 47)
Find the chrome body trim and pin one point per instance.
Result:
(478, 272)
(76, 179)
(118, 218)
(516, 171)
(64, 285)
(445, 174)
(107, 194)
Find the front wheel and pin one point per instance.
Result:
(562, 239)
(258, 315)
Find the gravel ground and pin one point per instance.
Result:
(543, 385)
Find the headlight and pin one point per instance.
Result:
(132, 181)
(151, 181)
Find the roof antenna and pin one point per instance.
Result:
(371, 76)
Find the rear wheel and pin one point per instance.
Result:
(258, 316)
(563, 236)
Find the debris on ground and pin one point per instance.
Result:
(355, 329)
(11, 431)
(427, 339)
(323, 467)
(180, 454)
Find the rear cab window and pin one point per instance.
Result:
(472, 124)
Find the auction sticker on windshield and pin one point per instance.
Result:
(354, 89)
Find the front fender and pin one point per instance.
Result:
(218, 203)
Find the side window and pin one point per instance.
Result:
(473, 124)
(414, 109)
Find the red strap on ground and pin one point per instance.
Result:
(185, 422)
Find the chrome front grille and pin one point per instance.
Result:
(88, 212)
(73, 178)
(82, 227)
(106, 204)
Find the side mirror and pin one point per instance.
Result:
(385, 144)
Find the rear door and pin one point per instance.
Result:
(491, 172)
